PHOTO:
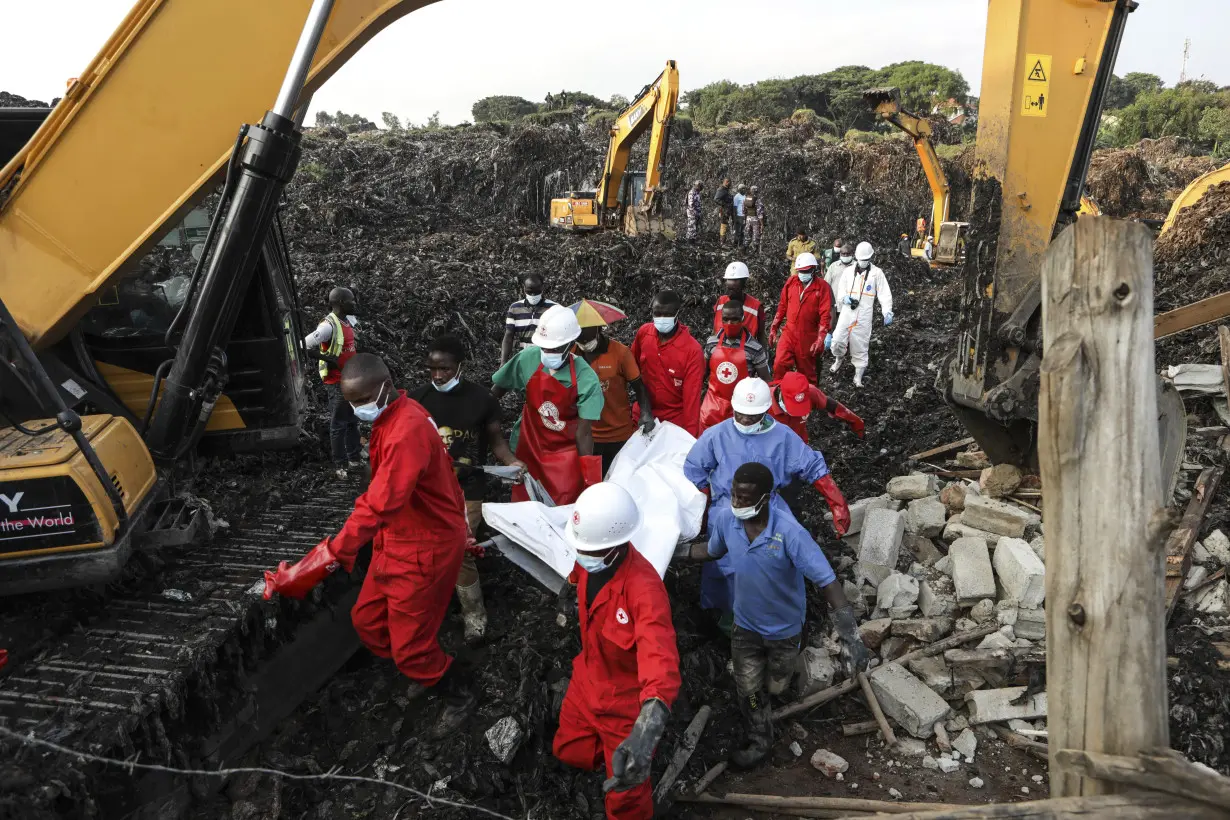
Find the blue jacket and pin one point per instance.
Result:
(722, 449)
(770, 595)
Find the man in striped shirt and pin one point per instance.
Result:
(522, 318)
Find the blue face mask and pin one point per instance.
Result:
(754, 429)
(594, 563)
(450, 384)
(552, 361)
(664, 324)
(805, 277)
(371, 411)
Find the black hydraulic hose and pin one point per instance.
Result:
(159, 375)
(227, 186)
(66, 419)
(26, 430)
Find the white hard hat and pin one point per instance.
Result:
(805, 260)
(864, 251)
(751, 397)
(604, 516)
(556, 328)
(736, 270)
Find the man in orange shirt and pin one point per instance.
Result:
(617, 371)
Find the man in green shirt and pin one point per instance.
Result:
(563, 398)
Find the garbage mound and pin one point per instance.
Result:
(1141, 181)
(1192, 260)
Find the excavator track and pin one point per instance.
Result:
(186, 678)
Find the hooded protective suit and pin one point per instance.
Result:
(854, 323)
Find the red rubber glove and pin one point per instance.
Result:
(474, 548)
(837, 503)
(848, 416)
(591, 470)
(298, 580)
(4, 657)
(817, 347)
(773, 331)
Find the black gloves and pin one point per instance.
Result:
(847, 628)
(631, 759)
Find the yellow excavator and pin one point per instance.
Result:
(624, 198)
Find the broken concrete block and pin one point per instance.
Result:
(1000, 480)
(901, 613)
(926, 517)
(1195, 577)
(504, 737)
(925, 630)
(931, 763)
(934, 600)
(966, 743)
(1199, 554)
(996, 640)
(858, 511)
(983, 611)
(995, 516)
(915, 485)
(993, 706)
(1008, 632)
(911, 747)
(1020, 573)
(1218, 546)
(944, 565)
(953, 497)
(874, 632)
(828, 763)
(907, 700)
(1214, 600)
(933, 672)
(1030, 624)
(966, 625)
(816, 671)
(957, 528)
(895, 646)
(973, 460)
(971, 571)
(923, 549)
(897, 590)
(873, 574)
(1039, 548)
(880, 542)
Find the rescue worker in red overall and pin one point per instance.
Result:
(735, 284)
(413, 514)
(672, 364)
(794, 398)
(334, 342)
(554, 437)
(625, 680)
(731, 355)
(806, 310)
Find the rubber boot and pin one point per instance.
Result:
(473, 613)
(836, 366)
(858, 376)
(458, 701)
(759, 719)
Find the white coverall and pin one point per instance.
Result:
(854, 324)
(833, 277)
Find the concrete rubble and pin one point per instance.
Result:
(879, 545)
(915, 485)
(830, 764)
(1021, 573)
(504, 738)
(908, 701)
(972, 574)
(995, 516)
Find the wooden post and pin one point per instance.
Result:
(1098, 449)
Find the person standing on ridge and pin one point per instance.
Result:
(754, 218)
(725, 209)
(334, 341)
(734, 282)
(739, 198)
(801, 327)
(695, 209)
(522, 318)
(672, 364)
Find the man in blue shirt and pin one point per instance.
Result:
(740, 195)
(752, 435)
(771, 554)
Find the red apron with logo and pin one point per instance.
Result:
(548, 440)
(727, 366)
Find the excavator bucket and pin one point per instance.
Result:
(885, 101)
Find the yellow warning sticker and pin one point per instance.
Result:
(1036, 91)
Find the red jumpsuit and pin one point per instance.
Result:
(673, 372)
(751, 313)
(727, 367)
(413, 512)
(819, 401)
(548, 440)
(628, 656)
(807, 312)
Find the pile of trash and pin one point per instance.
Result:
(1141, 181)
(1192, 260)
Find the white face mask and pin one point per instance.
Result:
(533, 300)
(864, 265)
(594, 563)
(450, 384)
(552, 361)
(744, 513)
(845, 260)
(753, 429)
(664, 324)
(371, 411)
(805, 277)
(589, 347)
(352, 320)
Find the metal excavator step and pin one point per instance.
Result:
(190, 671)
(176, 522)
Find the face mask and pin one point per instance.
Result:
(864, 265)
(589, 347)
(845, 260)
(751, 429)
(805, 277)
(664, 324)
(371, 411)
(744, 513)
(450, 384)
(533, 299)
(733, 329)
(593, 563)
(552, 361)
(352, 320)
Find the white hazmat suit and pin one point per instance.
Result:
(853, 331)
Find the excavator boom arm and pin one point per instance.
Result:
(887, 104)
(136, 130)
(653, 108)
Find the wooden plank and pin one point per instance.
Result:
(683, 753)
(890, 737)
(1204, 312)
(854, 804)
(942, 449)
(1161, 770)
(707, 779)
(1016, 740)
(1141, 806)
(1183, 537)
(1101, 467)
(1223, 341)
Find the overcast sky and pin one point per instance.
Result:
(446, 56)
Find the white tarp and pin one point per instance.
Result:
(648, 467)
